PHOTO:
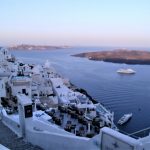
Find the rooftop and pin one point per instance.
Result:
(21, 78)
(24, 100)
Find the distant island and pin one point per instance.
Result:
(35, 47)
(119, 56)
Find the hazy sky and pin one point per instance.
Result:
(75, 22)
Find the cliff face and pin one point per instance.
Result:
(119, 56)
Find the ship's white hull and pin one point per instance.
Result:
(126, 71)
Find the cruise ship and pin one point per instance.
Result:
(126, 71)
(45, 109)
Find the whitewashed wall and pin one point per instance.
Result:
(12, 124)
(18, 89)
(2, 88)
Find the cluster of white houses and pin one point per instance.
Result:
(39, 105)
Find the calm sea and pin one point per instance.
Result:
(119, 93)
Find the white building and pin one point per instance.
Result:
(21, 84)
(2, 87)
(4, 53)
(4, 78)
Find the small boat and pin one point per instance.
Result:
(126, 71)
(124, 118)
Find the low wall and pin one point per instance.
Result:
(12, 124)
(2, 147)
(55, 141)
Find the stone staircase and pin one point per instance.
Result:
(11, 141)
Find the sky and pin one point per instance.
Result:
(75, 22)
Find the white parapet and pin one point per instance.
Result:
(3, 147)
(25, 112)
(112, 140)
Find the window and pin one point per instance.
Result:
(23, 91)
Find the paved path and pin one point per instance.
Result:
(11, 141)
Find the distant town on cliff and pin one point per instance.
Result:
(35, 47)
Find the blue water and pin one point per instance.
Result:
(119, 93)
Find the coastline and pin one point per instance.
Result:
(133, 57)
(36, 47)
(83, 91)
